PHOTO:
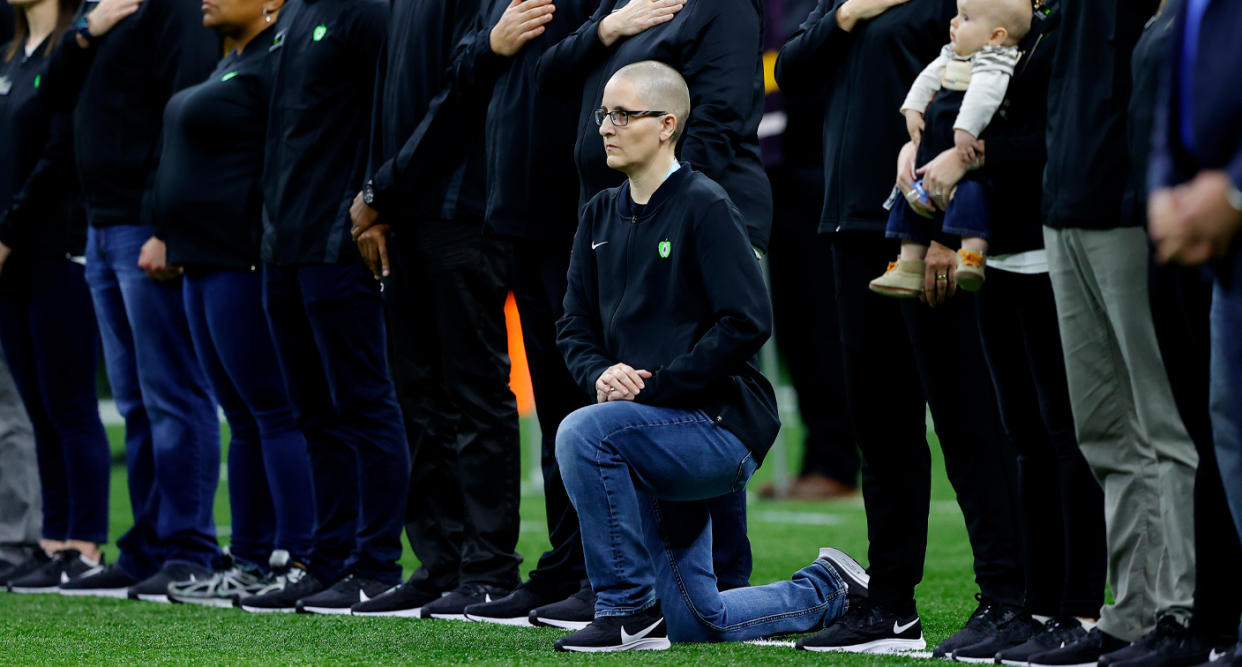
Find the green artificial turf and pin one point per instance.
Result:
(51, 629)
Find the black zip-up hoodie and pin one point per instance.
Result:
(717, 45)
(1088, 98)
(117, 89)
(673, 289)
(425, 52)
(41, 213)
(867, 73)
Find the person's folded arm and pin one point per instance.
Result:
(814, 50)
(564, 67)
(579, 331)
(739, 302)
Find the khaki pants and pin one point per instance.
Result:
(1127, 423)
(21, 506)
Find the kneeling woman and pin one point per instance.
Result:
(209, 214)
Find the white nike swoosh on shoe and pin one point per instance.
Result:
(1214, 656)
(627, 638)
(362, 596)
(898, 628)
(64, 577)
(487, 597)
(91, 572)
(596, 245)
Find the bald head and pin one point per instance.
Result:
(1012, 15)
(661, 88)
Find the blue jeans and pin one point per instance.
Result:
(172, 434)
(269, 466)
(47, 329)
(968, 214)
(327, 321)
(638, 476)
(1226, 391)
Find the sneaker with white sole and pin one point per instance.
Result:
(280, 590)
(1057, 633)
(338, 598)
(644, 631)
(573, 613)
(108, 581)
(64, 566)
(902, 279)
(854, 575)
(867, 628)
(37, 559)
(404, 601)
(452, 607)
(155, 587)
(512, 609)
(225, 588)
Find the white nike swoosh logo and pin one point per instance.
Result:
(487, 597)
(92, 572)
(596, 245)
(1214, 656)
(898, 628)
(626, 637)
(64, 577)
(362, 596)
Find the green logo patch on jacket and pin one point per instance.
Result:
(665, 248)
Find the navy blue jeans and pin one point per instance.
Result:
(638, 476)
(328, 324)
(968, 214)
(172, 434)
(51, 342)
(269, 467)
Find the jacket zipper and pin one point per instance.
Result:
(625, 282)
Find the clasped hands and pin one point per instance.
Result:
(621, 382)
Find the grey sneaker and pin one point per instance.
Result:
(225, 588)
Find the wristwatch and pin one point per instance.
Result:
(1235, 197)
(368, 194)
(84, 30)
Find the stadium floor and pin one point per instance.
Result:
(785, 535)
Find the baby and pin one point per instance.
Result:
(950, 104)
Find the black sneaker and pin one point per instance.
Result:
(1015, 632)
(280, 590)
(1085, 651)
(867, 628)
(155, 587)
(64, 566)
(403, 601)
(339, 597)
(512, 609)
(853, 574)
(1225, 658)
(644, 631)
(1056, 633)
(452, 607)
(983, 623)
(1171, 644)
(37, 559)
(108, 582)
(573, 613)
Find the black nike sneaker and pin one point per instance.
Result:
(983, 623)
(1056, 633)
(404, 601)
(38, 558)
(101, 581)
(1085, 651)
(155, 587)
(280, 590)
(1171, 644)
(340, 597)
(644, 631)
(867, 628)
(512, 609)
(64, 566)
(573, 613)
(452, 607)
(1015, 632)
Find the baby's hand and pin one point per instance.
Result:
(914, 125)
(967, 146)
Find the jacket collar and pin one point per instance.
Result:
(667, 189)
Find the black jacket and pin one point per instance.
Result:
(6, 23)
(209, 202)
(1147, 63)
(318, 124)
(41, 211)
(1015, 142)
(717, 46)
(1088, 160)
(117, 89)
(673, 289)
(867, 73)
(414, 177)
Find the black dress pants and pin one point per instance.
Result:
(805, 312)
(1061, 504)
(899, 357)
(1181, 299)
(450, 363)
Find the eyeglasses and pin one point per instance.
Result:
(621, 117)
